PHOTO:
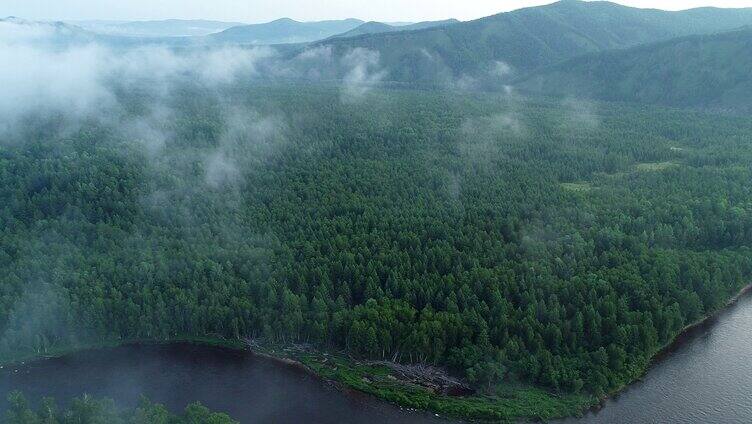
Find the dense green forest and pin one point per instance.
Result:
(558, 243)
(87, 410)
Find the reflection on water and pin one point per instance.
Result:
(707, 379)
(250, 389)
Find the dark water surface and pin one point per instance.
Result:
(249, 388)
(706, 379)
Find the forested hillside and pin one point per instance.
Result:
(557, 243)
(529, 38)
(710, 71)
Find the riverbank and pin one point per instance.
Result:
(670, 346)
(508, 401)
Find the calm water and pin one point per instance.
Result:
(250, 389)
(706, 379)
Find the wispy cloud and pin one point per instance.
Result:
(363, 72)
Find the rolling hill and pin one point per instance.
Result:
(707, 71)
(531, 38)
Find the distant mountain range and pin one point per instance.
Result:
(65, 34)
(283, 31)
(380, 27)
(163, 28)
(531, 38)
(698, 58)
(280, 31)
(57, 33)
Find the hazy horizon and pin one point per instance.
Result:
(259, 11)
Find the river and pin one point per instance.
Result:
(706, 378)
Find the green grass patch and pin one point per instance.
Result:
(577, 187)
(655, 166)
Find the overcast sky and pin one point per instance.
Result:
(306, 10)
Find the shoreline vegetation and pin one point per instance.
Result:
(510, 401)
(689, 329)
(672, 345)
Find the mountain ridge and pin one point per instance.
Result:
(530, 38)
(702, 71)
